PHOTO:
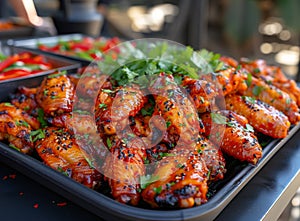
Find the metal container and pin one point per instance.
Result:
(32, 45)
(58, 64)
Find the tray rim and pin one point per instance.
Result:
(31, 45)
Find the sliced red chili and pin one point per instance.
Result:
(8, 61)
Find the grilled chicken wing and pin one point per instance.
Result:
(55, 95)
(113, 110)
(176, 109)
(59, 150)
(275, 97)
(264, 118)
(123, 169)
(236, 140)
(178, 185)
(15, 126)
(273, 75)
(202, 93)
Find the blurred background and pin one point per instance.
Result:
(267, 29)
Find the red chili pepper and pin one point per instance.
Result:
(8, 61)
(35, 61)
(14, 74)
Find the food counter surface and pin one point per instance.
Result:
(263, 198)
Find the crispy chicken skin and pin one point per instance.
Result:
(202, 93)
(124, 166)
(264, 118)
(59, 150)
(15, 126)
(213, 158)
(25, 99)
(233, 137)
(123, 169)
(227, 81)
(275, 97)
(112, 110)
(178, 185)
(55, 95)
(272, 75)
(176, 109)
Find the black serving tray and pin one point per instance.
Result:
(32, 45)
(239, 174)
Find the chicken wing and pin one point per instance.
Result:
(178, 185)
(202, 93)
(55, 95)
(16, 126)
(176, 109)
(272, 75)
(275, 97)
(123, 169)
(236, 140)
(59, 150)
(112, 110)
(264, 118)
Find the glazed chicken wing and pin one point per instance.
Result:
(236, 140)
(55, 95)
(112, 110)
(59, 150)
(272, 75)
(178, 185)
(202, 93)
(123, 169)
(15, 126)
(275, 97)
(176, 109)
(264, 118)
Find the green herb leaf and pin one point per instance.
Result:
(107, 91)
(102, 106)
(147, 180)
(168, 124)
(249, 128)
(61, 73)
(7, 104)
(161, 154)
(257, 90)
(218, 118)
(250, 100)
(249, 79)
(14, 147)
(157, 190)
(37, 134)
(108, 142)
(41, 118)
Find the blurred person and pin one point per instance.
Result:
(26, 11)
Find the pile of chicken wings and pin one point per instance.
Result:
(165, 142)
